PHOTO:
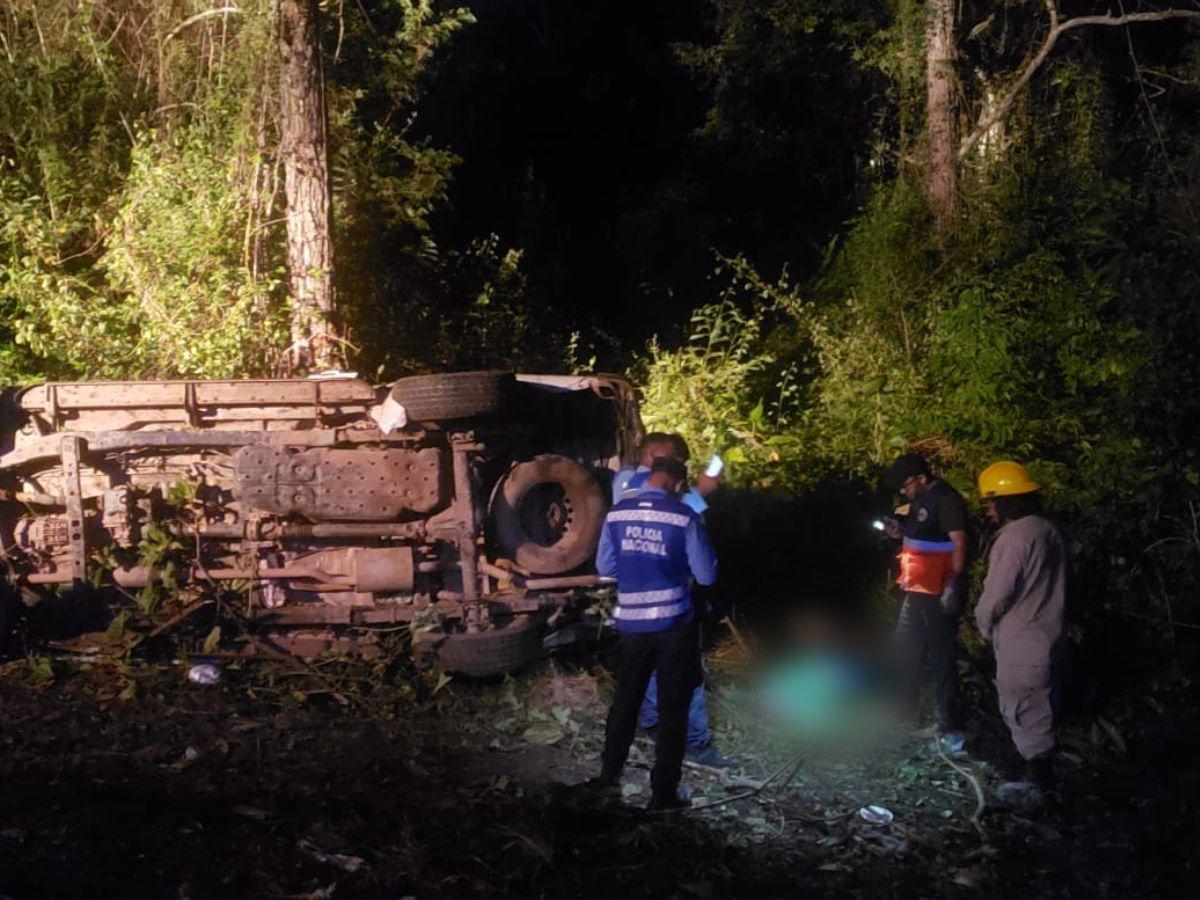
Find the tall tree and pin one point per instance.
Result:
(1057, 26)
(305, 156)
(945, 148)
(941, 80)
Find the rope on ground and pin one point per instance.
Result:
(980, 802)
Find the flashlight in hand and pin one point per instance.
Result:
(887, 525)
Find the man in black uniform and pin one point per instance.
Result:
(933, 566)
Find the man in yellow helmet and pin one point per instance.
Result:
(1021, 611)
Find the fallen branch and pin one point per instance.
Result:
(642, 744)
(980, 802)
(737, 635)
(193, 607)
(790, 767)
(331, 687)
(825, 820)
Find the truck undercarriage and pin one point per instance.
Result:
(469, 503)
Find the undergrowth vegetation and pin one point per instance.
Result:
(141, 235)
(141, 186)
(1021, 337)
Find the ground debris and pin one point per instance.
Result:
(267, 785)
(345, 862)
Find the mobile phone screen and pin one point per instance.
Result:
(715, 465)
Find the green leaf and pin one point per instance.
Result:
(39, 669)
(116, 628)
(735, 455)
(182, 492)
(543, 733)
(148, 598)
(213, 639)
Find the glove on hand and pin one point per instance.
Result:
(953, 595)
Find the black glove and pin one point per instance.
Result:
(954, 594)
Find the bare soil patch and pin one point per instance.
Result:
(352, 780)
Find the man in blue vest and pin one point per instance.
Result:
(627, 483)
(933, 576)
(660, 444)
(655, 545)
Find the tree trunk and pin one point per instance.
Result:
(912, 99)
(941, 179)
(303, 149)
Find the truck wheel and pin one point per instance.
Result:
(454, 395)
(497, 650)
(547, 514)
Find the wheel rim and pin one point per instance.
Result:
(545, 513)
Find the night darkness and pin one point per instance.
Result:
(270, 633)
(580, 133)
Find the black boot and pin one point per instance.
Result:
(1036, 789)
(1041, 773)
(665, 801)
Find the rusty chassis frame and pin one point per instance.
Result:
(334, 572)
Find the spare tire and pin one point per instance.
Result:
(547, 513)
(497, 650)
(453, 395)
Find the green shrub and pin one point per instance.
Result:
(1013, 339)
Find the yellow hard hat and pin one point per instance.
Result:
(1004, 479)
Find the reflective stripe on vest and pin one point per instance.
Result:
(925, 566)
(654, 516)
(648, 532)
(651, 613)
(651, 598)
(647, 605)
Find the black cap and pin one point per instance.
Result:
(904, 468)
(673, 467)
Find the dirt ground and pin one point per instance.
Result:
(343, 779)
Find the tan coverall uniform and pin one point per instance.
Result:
(1021, 612)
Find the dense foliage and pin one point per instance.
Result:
(1038, 330)
(516, 186)
(140, 183)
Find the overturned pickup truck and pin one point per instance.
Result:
(465, 504)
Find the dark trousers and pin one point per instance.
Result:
(926, 635)
(675, 655)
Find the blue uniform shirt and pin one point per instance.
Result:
(628, 481)
(654, 544)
